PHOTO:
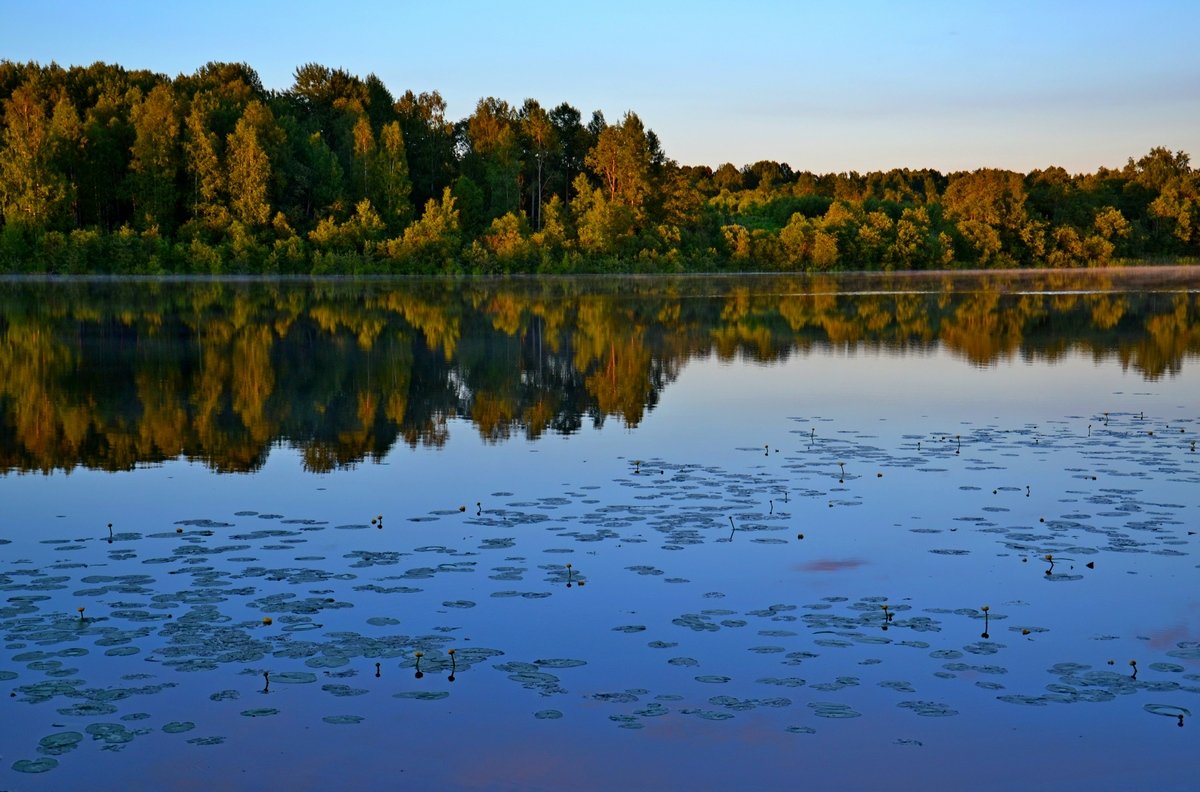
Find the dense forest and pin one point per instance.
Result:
(114, 373)
(104, 169)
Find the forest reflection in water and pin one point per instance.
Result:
(108, 375)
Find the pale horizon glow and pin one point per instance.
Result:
(825, 87)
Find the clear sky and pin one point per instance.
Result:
(829, 86)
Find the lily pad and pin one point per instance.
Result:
(422, 695)
(60, 743)
(928, 709)
(825, 709)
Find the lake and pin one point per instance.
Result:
(898, 531)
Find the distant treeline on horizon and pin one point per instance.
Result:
(108, 170)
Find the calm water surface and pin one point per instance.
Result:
(684, 533)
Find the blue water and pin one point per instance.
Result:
(735, 548)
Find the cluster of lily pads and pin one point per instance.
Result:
(227, 608)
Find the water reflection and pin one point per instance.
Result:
(109, 375)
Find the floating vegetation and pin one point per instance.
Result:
(423, 695)
(928, 709)
(560, 663)
(112, 734)
(903, 687)
(734, 703)
(1169, 711)
(343, 691)
(60, 743)
(178, 727)
(826, 709)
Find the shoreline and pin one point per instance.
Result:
(1123, 270)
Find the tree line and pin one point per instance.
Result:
(105, 169)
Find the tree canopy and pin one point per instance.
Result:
(104, 169)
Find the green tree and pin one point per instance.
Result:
(248, 174)
(155, 160)
(202, 155)
(1159, 169)
(917, 246)
(353, 236)
(553, 237)
(362, 173)
(807, 243)
(494, 154)
(31, 191)
(1179, 207)
(574, 141)
(1110, 223)
(508, 240)
(381, 172)
(107, 138)
(988, 206)
(331, 102)
(429, 143)
(605, 227)
(766, 174)
(314, 182)
(541, 144)
(727, 177)
(621, 160)
(876, 238)
(432, 241)
(471, 204)
(393, 186)
(67, 153)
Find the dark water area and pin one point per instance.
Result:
(862, 532)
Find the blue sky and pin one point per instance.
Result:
(823, 86)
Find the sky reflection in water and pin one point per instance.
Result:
(709, 645)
